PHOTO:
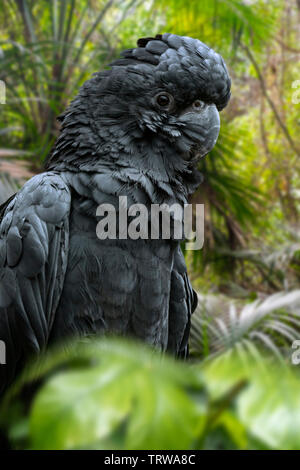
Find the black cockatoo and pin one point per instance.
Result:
(137, 130)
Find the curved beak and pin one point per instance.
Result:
(202, 130)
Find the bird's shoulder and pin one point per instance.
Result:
(29, 221)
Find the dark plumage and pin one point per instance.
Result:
(135, 130)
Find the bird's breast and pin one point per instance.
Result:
(118, 286)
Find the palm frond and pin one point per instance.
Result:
(219, 325)
(47, 51)
(221, 22)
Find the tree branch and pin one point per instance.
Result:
(269, 100)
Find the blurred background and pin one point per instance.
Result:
(248, 272)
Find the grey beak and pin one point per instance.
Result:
(202, 128)
(211, 120)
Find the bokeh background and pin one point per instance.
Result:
(241, 387)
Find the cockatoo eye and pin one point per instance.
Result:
(165, 101)
(198, 105)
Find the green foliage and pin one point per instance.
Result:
(268, 407)
(112, 394)
(272, 324)
(232, 203)
(222, 23)
(48, 49)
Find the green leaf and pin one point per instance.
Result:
(235, 429)
(127, 398)
(268, 407)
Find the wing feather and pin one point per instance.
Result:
(34, 237)
(183, 302)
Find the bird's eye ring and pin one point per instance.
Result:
(164, 100)
(198, 104)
